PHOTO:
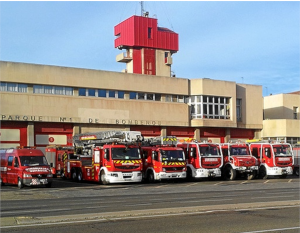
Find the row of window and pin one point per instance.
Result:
(13, 87)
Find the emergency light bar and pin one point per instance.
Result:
(168, 140)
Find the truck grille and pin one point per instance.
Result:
(172, 169)
(39, 176)
(127, 167)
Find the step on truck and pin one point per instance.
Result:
(24, 166)
(106, 157)
(275, 158)
(56, 155)
(204, 159)
(237, 160)
(162, 159)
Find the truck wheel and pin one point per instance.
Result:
(230, 173)
(79, 176)
(74, 175)
(48, 185)
(1, 182)
(251, 176)
(189, 175)
(103, 177)
(20, 183)
(263, 173)
(297, 171)
(150, 177)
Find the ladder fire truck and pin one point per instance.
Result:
(238, 161)
(106, 157)
(162, 159)
(56, 155)
(204, 159)
(275, 158)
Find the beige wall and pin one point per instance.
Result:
(281, 128)
(74, 77)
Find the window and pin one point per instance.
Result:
(168, 98)
(121, 94)
(13, 87)
(149, 33)
(111, 94)
(101, 93)
(91, 92)
(295, 112)
(81, 91)
(132, 95)
(58, 90)
(48, 90)
(211, 107)
(10, 160)
(239, 109)
(157, 97)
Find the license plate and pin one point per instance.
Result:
(127, 174)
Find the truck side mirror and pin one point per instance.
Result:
(154, 155)
(106, 153)
(267, 153)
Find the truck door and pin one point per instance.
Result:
(12, 169)
(267, 155)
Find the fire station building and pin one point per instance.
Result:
(43, 105)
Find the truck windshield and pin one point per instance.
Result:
(125, 153)
(239, 151)
(282, 150)
(172, 155)
(33, 161)
(209, 151)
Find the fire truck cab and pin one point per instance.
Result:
(56, 155)
(238, 160)
(296, 152)
(24, 166)
(275, 159)
(106, 157)
(204, 159)
(162, 159)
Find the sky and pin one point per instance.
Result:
(249, 42)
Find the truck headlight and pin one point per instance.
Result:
(27, 175)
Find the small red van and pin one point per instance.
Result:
(24, 166)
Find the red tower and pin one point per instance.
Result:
(149, 48)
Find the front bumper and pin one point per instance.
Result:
(279, 171)
(204, 173)
(121, 177)
(246, 169)
(36, 181)
(169, 175)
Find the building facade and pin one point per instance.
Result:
(43, 105)
(281, 118)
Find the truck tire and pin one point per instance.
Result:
(263, 173)
(251, 176)
(102, 178)
(189, 174)
(20, 183)
(48, 185)
(150, 176)
(74, 175)
(1, 182)
(230, 173)
(297, 171)
(79, 175)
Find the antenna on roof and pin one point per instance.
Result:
(142, 8)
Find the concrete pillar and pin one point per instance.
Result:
(30, 134)
(197, 134)
(76, 129)
(227, 135)
(163, 131)
(257, 134)
(126, 95)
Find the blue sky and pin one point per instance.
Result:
(245, 42)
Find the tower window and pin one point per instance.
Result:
(149, 33)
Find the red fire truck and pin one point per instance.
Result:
(56, 155)
(238, 161)
(24, 166)
(162, 159)
(275, 158)
(106, 157)
(204, 159)
(296, 152)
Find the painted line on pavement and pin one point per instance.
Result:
(273, 230)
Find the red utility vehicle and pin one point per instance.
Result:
(24, 166)
(106, 157)
(162, 159)
(238, 161)
(56, 155)
(204, 159)
(275, 159)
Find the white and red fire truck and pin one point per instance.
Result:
(204, 159)
(106, 157)
(56, 155)
(296, 152)
(162, 159)
(238, 161)
(275, 158)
